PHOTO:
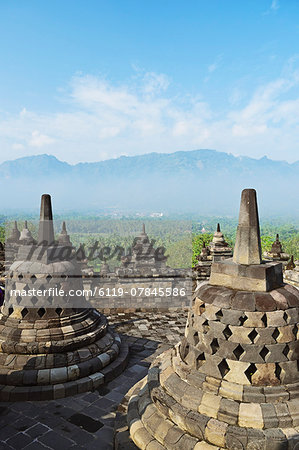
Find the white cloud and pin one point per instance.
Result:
(99, 120)
(274, 5)
(215, 64)
(18, 146)
(39, 140)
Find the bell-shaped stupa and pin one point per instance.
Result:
(233, 381)
(276, 253)
(219, 248)
(52, 343)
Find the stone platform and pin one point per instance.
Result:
(87, 420)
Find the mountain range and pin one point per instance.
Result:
(198, 181)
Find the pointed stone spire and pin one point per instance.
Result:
(248, 241)
(218, 239)
(290, 265)
(143, 237)
(205, 252)
(246, 271)
(63, 237)
(26, 236)
(276, 246)
(15, 233)
(46, 230)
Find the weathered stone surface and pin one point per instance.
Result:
(49, 352)
(250, 416)
(236, 368)
(248, 245)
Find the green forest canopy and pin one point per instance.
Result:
(182, 238)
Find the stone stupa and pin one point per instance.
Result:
(143, 258)
(276, 253)
(233, 381)
(217, 250)
(52, 343)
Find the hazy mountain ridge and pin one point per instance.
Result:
(196, 161)
(207, 181)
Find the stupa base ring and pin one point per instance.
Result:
(11, 393)
(157, 420)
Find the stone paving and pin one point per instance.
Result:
(87, 420)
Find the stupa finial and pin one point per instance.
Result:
(63, 237)
(218, 228)
(143, 228)
(46, 230)
(248, 241)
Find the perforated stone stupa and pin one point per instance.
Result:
(233, 381)
(276, 253)
(217, 250)
(52, 346)
(144, 260)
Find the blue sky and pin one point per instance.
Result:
(89, 80)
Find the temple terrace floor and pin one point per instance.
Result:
(88, 420)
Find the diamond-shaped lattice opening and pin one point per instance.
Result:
(214, 346)
(33, 279)
(275, 333)
(223, 368)
(238, 352)
(11, 275)
(243, 319)
(26, 288)
(20, 277)
(18, 299)
(277, 371)
(34, 300)
(48, 278)
(219, 314)
(10, 311)
(286, 350)
(252, 335)
(200, 360)
(264, 319)
(227, 332)
(58, 311)
(250, 371)
(24, 312)
(285, 317)
(264, 352)
(41, 312)
(206, 326)
(295, 331)
(202, 308)
(196, 338)
(184, 348)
